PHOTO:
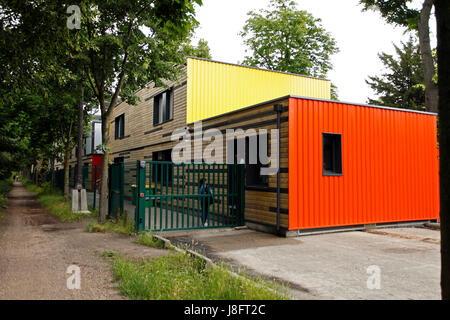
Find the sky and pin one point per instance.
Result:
(360, 37)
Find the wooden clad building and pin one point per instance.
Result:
(330, 151)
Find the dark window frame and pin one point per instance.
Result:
(336, 169)
(119, 131)
(168, 107)
(260, 182)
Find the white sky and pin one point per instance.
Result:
(360, 37)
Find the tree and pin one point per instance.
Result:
(402, 85)
(398, 12)
(121, 46)
(286, 39)
(443, 53)
(124, 45)
(202, 50)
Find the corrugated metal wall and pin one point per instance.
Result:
(389, 158)
(215, 88)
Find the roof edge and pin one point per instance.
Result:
(260, 69)
(362, 105)
(314, 99)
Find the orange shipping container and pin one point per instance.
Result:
(356, 164)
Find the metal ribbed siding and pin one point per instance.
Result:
(389, 158)
(216, 88)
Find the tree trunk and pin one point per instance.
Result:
(103, 202)
(443, 51)
(52, 168)
(66, 172)
(431, 88)
(80, 137)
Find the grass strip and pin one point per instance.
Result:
(179, 276)
(54, 202)
(111, 227)
(147, 239)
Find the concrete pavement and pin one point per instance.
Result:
(345, 265)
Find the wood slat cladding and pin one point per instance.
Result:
(143, 139)
(259, 203)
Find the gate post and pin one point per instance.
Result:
(109, 189)
(122, 187)
(140, 196)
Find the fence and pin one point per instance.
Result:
(174, 197)
(162, 196)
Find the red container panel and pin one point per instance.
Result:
(389, 162)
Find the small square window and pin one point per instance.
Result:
(332, 154)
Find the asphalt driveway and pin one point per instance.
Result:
(395, 263)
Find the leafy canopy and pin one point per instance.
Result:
(398, 12)
(402, 85)
(286, 39)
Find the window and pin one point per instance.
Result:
(119, 160)
(253, 175)
(162, 107)
(332, 154)
(88, 145)
(120, 127)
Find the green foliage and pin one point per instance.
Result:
(111, 227)
(121, 46)
(394, 11)
(5, 186)
(402, 84)
(182, 277)
(147, 239)
(286, 39)
(202, 50)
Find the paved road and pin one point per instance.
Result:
(335, 266)
(36, 250)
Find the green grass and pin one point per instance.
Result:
(57, 206)
(179, 276)
(54, 202)
(111, 227)
(147, 239)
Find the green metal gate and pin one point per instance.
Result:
(168, 196)
(116, 189)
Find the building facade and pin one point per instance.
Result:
(339, 164)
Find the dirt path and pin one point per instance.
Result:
(36, 250)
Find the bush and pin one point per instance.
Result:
(5, 186)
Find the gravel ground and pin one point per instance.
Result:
(36, 251)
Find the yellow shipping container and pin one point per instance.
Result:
(215, 88)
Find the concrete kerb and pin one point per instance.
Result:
(209, 262)
(433, 225)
